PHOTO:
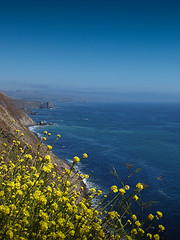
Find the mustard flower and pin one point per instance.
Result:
(99, 192)
(129, 221)
(135, 197)
(9, 234)
(47, 158)
(85, 155)
(76, 159)
(49, 148)
(149, 235)
(43, 226)
(139, 186)
(134, 218)
(150, 217)
(92, 190)
(138, 224)
(28, 156)
(4, 209)
(161, 228)
(1, 193)
(45, 132)
(19, 192)
(141, 231)
(68, 183)
(112, 214)
(159, 214)
(156, 237)
(126, 187)
(122, 191)
(58, 135)
(134, 231)
(72, 232)
(114, 189)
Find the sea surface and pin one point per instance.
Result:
(112, 134)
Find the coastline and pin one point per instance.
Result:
(61, 165)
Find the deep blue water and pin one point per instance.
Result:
(146, 135)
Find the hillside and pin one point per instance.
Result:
(8, 112)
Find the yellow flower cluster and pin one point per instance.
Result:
(37, 203)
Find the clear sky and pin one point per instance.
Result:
(112, 45)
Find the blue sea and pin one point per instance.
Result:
(112, 134)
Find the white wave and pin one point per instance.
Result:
(32, 128)
(163, 193)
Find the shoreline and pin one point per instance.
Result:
(63, 164)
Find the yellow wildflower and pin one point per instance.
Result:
(47, 158)
(114, 189)
(159, 214)
(43, 226)
(85, 155)
(161, 228)
(1, 193)
(126, 187)
(135, 197)
(134, 218)
(150, 217)
(112, 214)
(139, 186)
(129, 221)
(92, 190)
(49, 148)
(9, 234)
(4, 209)
(76, 160)
(156, 237)
(134, 231)
(122, 191)
(138, 224)
(141, 231)
(149, 235)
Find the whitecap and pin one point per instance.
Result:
(163, 193)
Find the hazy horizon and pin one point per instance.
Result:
(92, 95)
(127, 47)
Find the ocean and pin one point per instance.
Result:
(143, 134)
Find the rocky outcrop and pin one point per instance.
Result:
(27, 105)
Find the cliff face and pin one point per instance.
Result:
(24, 105)
(9, 110)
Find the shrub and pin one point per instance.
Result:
(36, 203)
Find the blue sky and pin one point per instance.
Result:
(125, 46)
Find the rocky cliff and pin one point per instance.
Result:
(9, 112)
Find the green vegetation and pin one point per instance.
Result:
(36, 203)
